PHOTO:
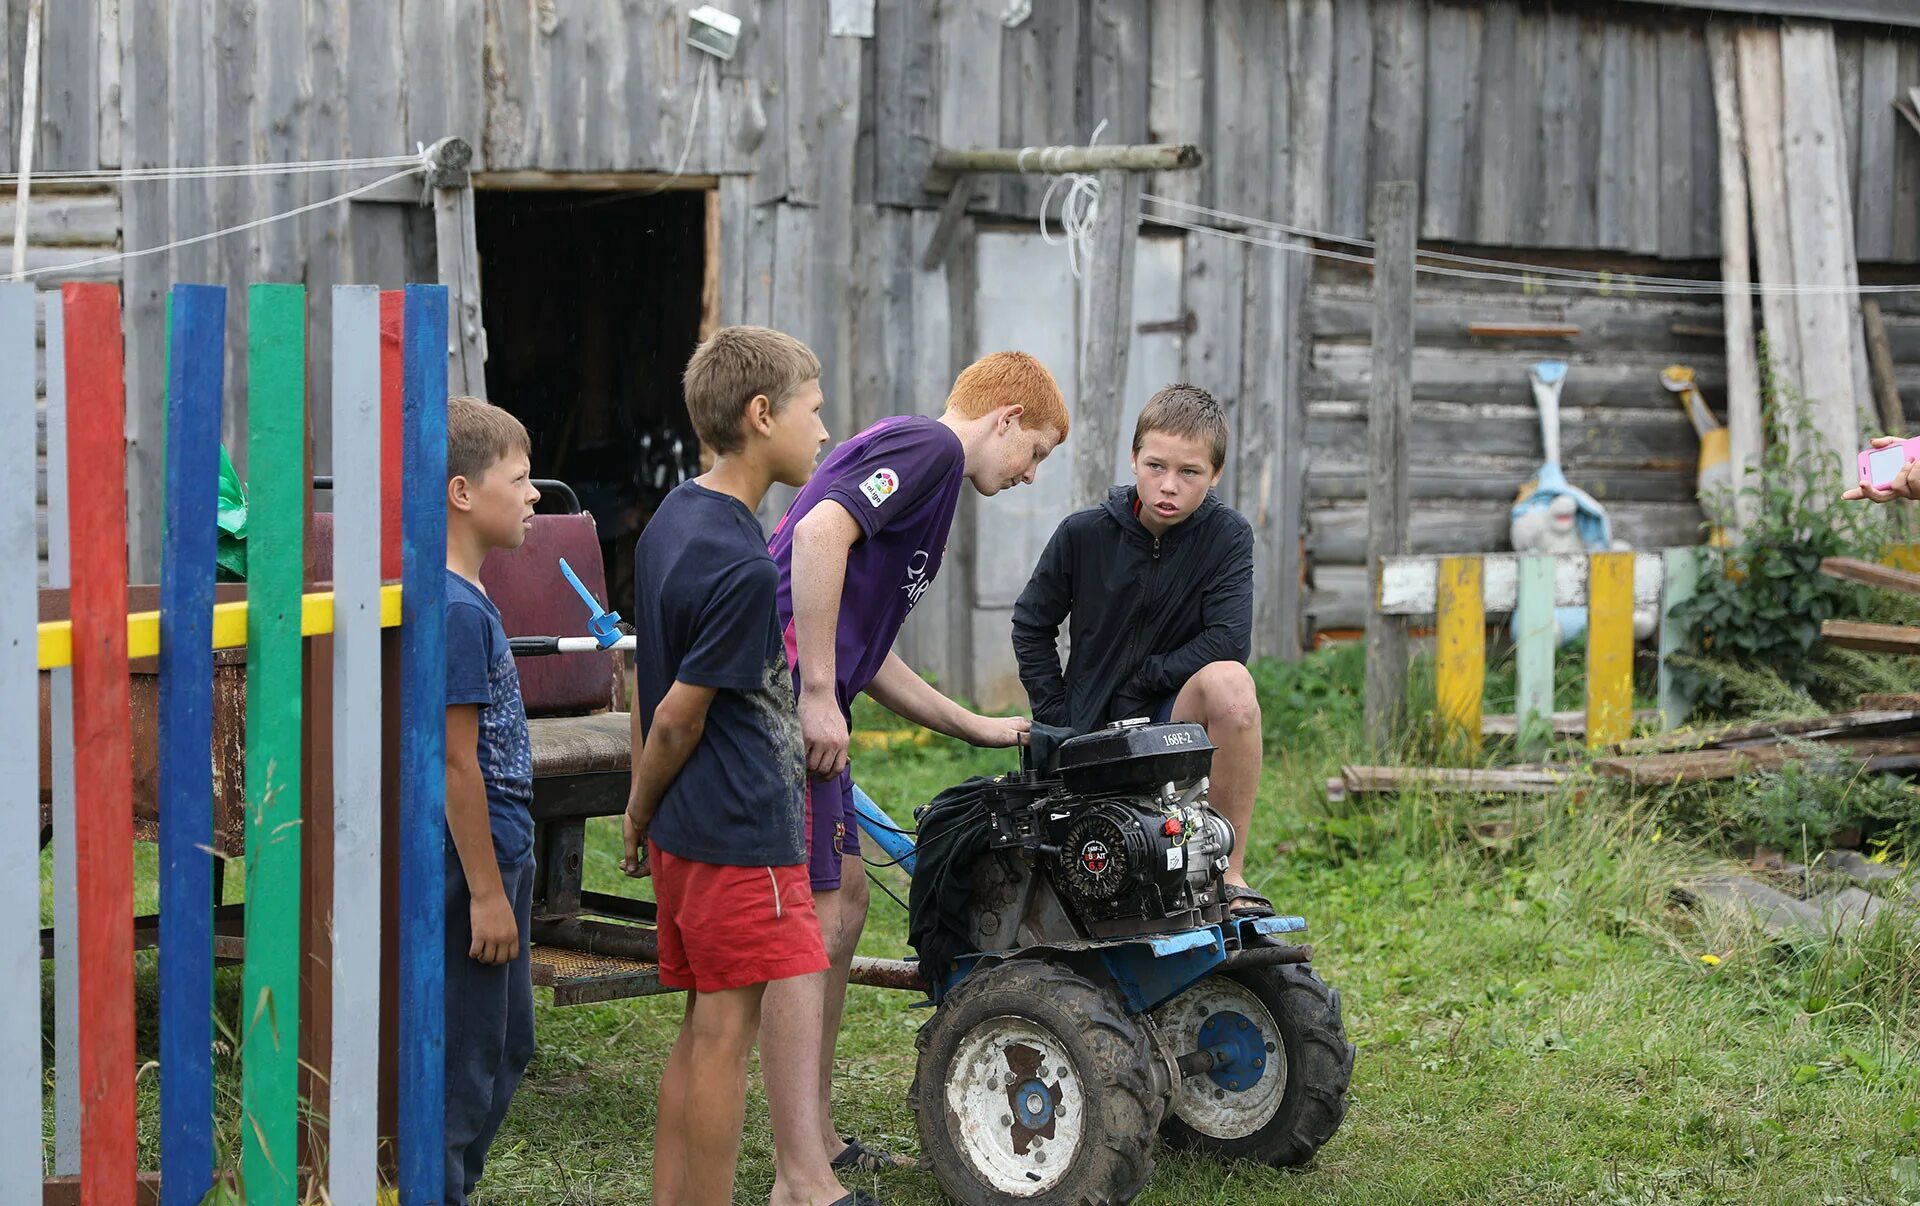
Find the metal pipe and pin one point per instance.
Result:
(901, 974)
(598, 938)
(1268, 956)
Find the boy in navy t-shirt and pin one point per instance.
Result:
(719, 761)
(489, 869)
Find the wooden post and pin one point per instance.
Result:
(1460, 652)
(1744, 442)
(1681, 579)
(1886, 390)
(29, 126)
(1534, 645)
(1609, 649)
(459, 259)
(1107, 302)
(1395, 212)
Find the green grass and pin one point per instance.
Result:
(1534, 1020)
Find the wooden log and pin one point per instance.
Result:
(1108, 334)
(1610, 649)
(1368, 780)
(196, 361)
(20, 1068)
(1534, 646)
(1745, 433)
(1871, 573)
(276, 503)
(1460, 652)
(423, 736)
(1395, 221)
(1682, 580)
(1698, 766)
(1870, 638)
(103, 763)
(949, 162)
(1870, 720)
(1890, 701)
(1886, 389)
(353, 1071)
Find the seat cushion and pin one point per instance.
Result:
(581, 745)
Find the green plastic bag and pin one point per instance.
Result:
(230, 555)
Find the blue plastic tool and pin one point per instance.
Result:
(603, 624)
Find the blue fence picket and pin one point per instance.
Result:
(66, 863)
(19, 760)
(195, 362)
(423, 736)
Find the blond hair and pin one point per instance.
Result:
(478, 434)
(1009, 379)
(1186, 411)
(732, 367)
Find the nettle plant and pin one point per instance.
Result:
(1759, 605)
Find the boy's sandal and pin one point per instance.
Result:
(857, 1198)
(1243, 901)
(861, 1158)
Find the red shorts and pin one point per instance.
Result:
(724, 927)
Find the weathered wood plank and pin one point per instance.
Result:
(969, 37)
(66, 868)
(1350, 125)
(1676, 142)
(1395, 219)
(1848, 51)
(1745, 435)
(1310, 70)
(1338, 536)
(1871, 638)
(230, 30)
(1043, 95)
(146, 137)
(69, 133)
(376, 125)
(1460, 651)
(1396, 123)
(1534, 646)
(1242, 112)
(1528, 161)
(1215, 292)
(1650, 325)
(107, 112)
(1644, 183)
(1117, 80)
(1682, 580)
(1758, 52)
(1452, 118)
(1566, 219)
(1493, 377)
(1906, 172)
(1107, 336)
(10, 88)
(1633, 440)
(1270, 449)
(1176, 88)
(1705, 173)
(1612, 191)
(1486, 479)
(1610, 600)
(1494, 184)
(1879, 128)
(904, 55)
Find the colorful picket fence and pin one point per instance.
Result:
(388, 406)
(1463, 592)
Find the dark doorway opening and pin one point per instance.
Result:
(593, 303)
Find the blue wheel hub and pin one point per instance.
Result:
(1033, 1105)
(1239, 1050)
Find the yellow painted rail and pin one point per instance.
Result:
(229, 626)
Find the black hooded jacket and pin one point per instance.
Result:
(1147, 613)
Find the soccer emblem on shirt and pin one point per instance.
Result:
(880, 486)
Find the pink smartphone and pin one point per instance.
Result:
(1879, 465)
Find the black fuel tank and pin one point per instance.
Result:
(1133, 755)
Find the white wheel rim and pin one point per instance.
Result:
(1213, 1109)
(1006, 1073)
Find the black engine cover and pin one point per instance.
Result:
(1134, 757)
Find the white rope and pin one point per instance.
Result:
(693, 127)
(216, 172)
(1080, 205)
(1525, 275)
(220, 234)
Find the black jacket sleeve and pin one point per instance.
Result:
(1226, 617)
(1037, 614)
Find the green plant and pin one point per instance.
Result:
(1755, 619)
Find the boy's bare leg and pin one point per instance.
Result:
(1221, 698)
(670, 1118)
(796, 1051)
(711, 1086)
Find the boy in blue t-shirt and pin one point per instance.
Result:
(719, 763)
(489, 870)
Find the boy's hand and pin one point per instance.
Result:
(1903, 485)
(998, 732)
(634, 863)
(826, 732)
(496, 936)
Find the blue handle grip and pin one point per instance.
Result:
(604, 625)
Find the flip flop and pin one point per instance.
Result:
(861, 1158)
(856, 1198)
(1256, 904)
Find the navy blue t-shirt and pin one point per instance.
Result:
(704, 614)
(480, 670)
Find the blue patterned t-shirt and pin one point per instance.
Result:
(480, 670)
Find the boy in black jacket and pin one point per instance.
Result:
(1159, 585)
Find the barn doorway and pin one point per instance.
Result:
(593, 302)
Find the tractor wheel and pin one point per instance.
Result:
(1282, 1090)
(1035, 1085)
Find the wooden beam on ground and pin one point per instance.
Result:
(1107, 289)
(1871, 720)
(1559, 724)
(1371, 780)
(949, 162)
(1699, 766)
(1395, 217)
(1871, 573)
(1891, 701)
(1871, 638)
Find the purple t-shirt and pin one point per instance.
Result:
(900, 480)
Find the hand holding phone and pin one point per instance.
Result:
(1884, 470)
